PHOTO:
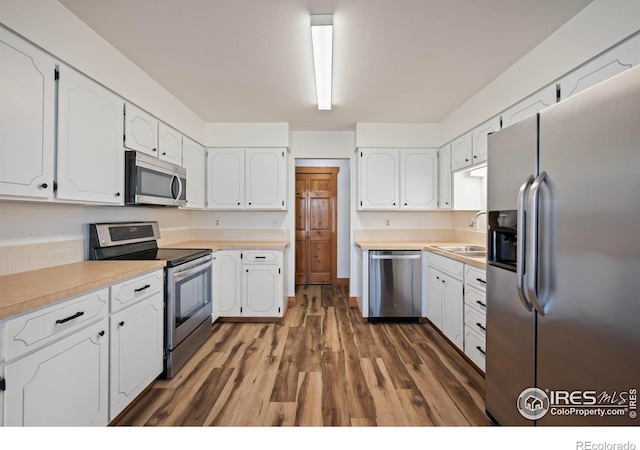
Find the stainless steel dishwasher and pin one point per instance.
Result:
(395, 285)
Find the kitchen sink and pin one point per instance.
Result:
(461, 248)
(472, 254)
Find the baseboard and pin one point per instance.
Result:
(353, 303)
(454, 346)
(341, 282)
(251, 319)
(291, 301)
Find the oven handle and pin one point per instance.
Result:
(187, 273)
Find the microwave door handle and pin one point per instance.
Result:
(521, 243)
(187, 273)
(179, 187)
(532, 243)
(172, 183)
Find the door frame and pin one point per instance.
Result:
(334, 213)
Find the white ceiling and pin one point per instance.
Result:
(394, 60)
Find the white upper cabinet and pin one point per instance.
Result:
(621, 57)
(444, 177)
(193, 157)
(225, 178)
(169, 144)
(252, 178)
(418, 179)
(530, 106)
(140, 131)
(90, 128)
(27, 118)
(265, 178)
(479, 136)
(461, 152)
(379, 173)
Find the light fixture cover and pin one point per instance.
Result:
(322, 42)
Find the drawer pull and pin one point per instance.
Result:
(481, 280)
(480, 326)
(66, 319)
(480, 350)
(481, 304)
(146, 286)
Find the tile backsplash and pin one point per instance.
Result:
(21, 258)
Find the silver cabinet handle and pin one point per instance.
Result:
(532, 242)
(521, 244)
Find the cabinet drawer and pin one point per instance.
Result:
(475, 348)
(31, 331)
(475, 299)
(475, 277)
(125, 293)
(475, 320)
(446, 265)
(260, 257)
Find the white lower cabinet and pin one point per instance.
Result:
(445, 304)
(248, 283)
(71, 364)
(475, 321)
(62, 384)
(136, 357)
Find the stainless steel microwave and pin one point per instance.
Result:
(151, 181)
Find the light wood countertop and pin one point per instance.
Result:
(232, 245)
(480, 263)
(22, 292)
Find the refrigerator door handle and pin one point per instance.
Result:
(521, 245)
(532, 242)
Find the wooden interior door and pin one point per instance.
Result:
(316, 245)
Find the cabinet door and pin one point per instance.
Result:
(265, 178)
(27, 118)
(461, 152)
(194, 161)
(418, 179)
(444, 177)
(479, 135)
(452, 310)
(169, 144)
(434, 297)
(529, 106)
(379, 172)
(140, 131)
(63, 384)
(227, 283)
(90, 128)
(261, 287)
(225, 178)
(621, 57)
(136, 356)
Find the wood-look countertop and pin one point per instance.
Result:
(232, 245)
(480, 263)
(22, 292)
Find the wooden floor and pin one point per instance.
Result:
(324, 366)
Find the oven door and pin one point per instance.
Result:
(188, 301)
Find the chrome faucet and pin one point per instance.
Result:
(474, 220)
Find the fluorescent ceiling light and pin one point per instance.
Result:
(479, 172)
(322, 42)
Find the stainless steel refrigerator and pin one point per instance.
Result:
(563, 272)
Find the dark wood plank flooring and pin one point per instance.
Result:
(323, 366)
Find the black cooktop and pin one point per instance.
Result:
(173, 256)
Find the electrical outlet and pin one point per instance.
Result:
(387, 223)
(217, 222)
(275, 222)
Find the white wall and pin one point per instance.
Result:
(54, 28)
(343, 207)
(600, 25)
(406, 135)
(270, 134)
